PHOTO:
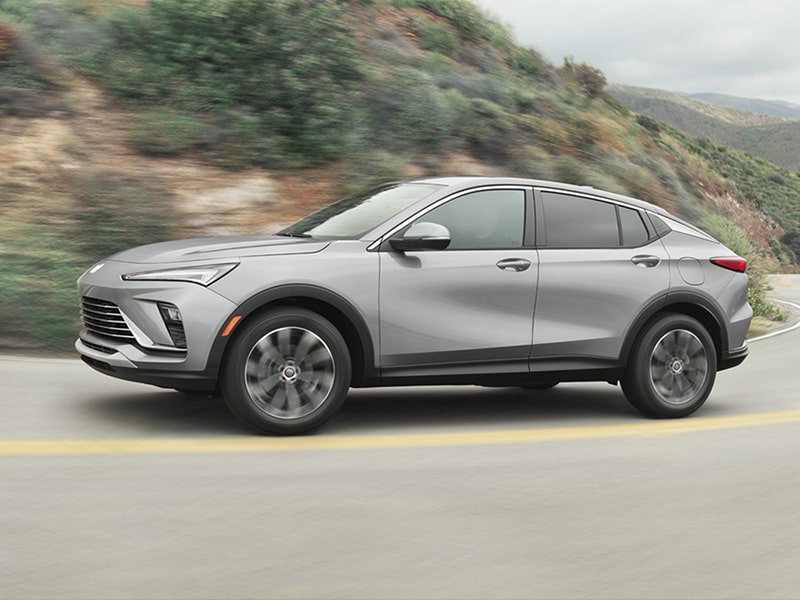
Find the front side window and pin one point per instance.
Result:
(481, 220)
(576, 222)
(359, 214)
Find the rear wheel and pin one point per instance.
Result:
(287, 373)
(672, 368)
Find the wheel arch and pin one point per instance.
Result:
(698, 306)
(336, 309)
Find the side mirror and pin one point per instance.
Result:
(422, 236)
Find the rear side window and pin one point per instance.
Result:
(575, 222)
(634, 232)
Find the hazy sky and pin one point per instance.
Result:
(745, 48)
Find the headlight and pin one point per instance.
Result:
(203, 274)
(92, 270)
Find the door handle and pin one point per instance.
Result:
(514, 264)
(646, 260)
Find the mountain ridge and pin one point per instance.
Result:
(773, 138)
(777, 108)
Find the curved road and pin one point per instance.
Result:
(115, 490)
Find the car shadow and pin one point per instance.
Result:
(394, 409)
(389, 410)
(166, 412)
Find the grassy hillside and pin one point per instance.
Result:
(123, 122)
(773, 138)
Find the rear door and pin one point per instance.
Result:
(599, 267)
(467, 309)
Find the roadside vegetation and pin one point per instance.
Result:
(349, 93)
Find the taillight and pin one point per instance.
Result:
(733, 263)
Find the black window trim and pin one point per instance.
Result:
(620, 239)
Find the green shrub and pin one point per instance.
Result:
(163, 132)
(25, 65)
(292, 63)
(590, 80)
(238, 139)
(582, 133)
(727, 232)
(571, 170)
(469, 22)
(498, 36)
(530, 165)
(116, 211)
(649, 124)
(407, 109)
(38, 306)
(18, 10)
(489, 131)
(129, 75)
(527, 62)
(439, 37)
(474, 85)
(367, 169)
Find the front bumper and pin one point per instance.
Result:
(117, 365)
(150, 354)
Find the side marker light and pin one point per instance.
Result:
(231, 324)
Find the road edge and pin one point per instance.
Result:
(787, 329)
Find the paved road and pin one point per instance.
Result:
(424, 493)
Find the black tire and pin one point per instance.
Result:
(287, 372)
(672, 368)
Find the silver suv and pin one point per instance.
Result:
(489, 281)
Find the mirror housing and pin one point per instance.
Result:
(422, 236)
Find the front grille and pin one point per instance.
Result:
(104, 318)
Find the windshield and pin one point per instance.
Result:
(356, 215)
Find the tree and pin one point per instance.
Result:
(589, 79)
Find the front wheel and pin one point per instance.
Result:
(672, 368)
(287, 373)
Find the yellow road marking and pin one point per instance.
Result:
(386, 441)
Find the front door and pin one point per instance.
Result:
(467, 309)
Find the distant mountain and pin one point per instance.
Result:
(776, 108)
(771, 137)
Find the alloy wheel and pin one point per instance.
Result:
(678, 366)
(289, 373)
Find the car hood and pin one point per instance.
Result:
(216, 249)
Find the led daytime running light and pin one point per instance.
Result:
(203, 274)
